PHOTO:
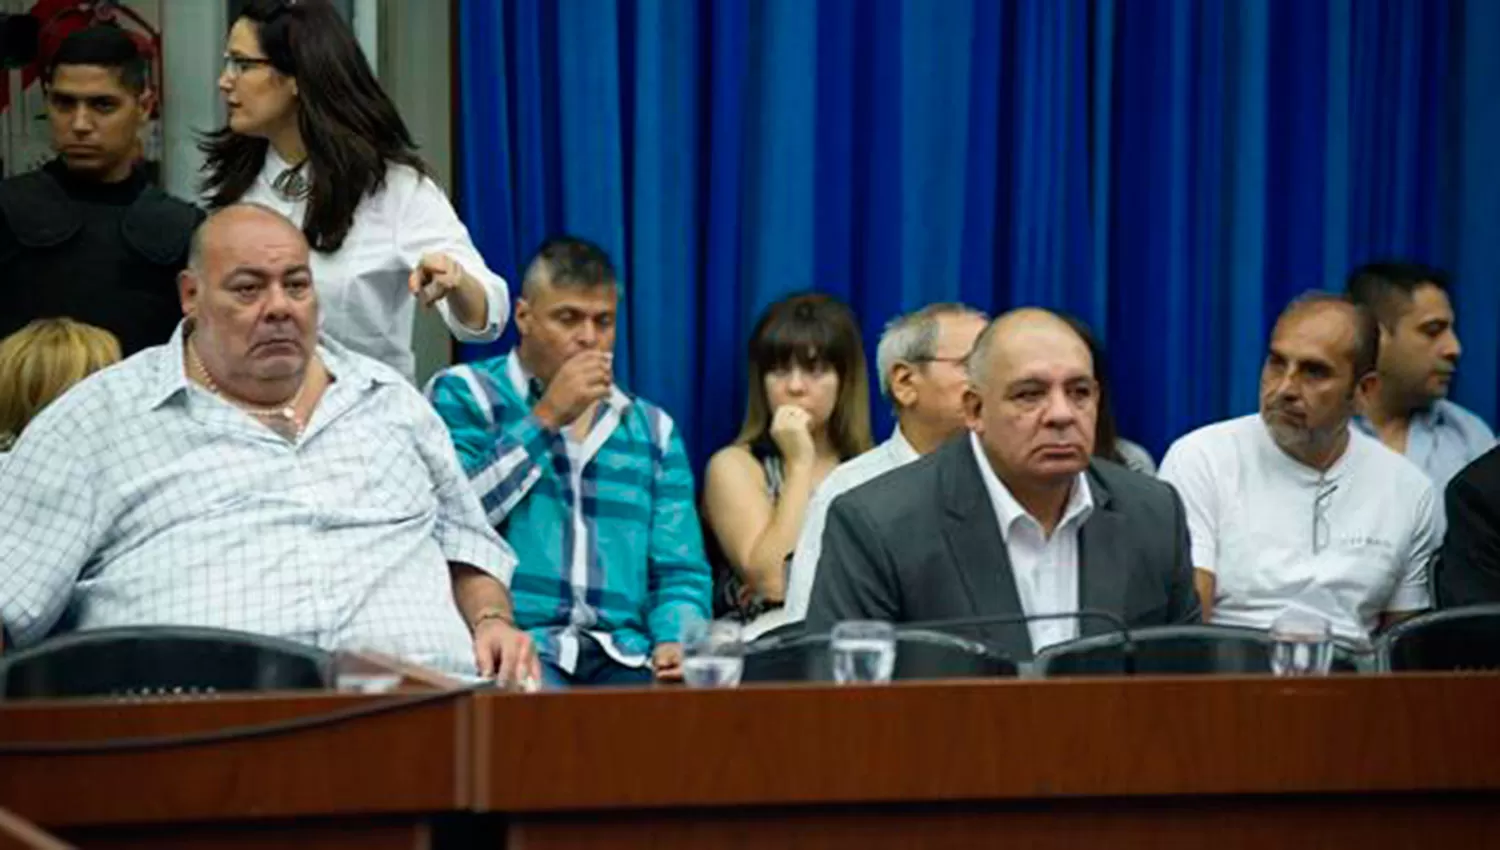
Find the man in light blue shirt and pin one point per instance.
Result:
(1408, 410)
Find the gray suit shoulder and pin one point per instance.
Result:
(1134, 492)
(898, 493)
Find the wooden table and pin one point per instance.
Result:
(1368, 762)
(370, 782)
(17, 833)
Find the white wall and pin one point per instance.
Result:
(192, 54)
(414, 60)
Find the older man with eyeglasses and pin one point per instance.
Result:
(1293, 507)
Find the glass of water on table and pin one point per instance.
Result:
(713, 654)
(864, 651)
(1301, 644)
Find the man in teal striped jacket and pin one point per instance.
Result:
(590, 486)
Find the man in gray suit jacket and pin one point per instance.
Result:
(1013, 517)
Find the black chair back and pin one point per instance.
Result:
(161, 661)
(1456, 639)
(1161, 650)
(920, 654)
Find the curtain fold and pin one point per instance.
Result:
(1172, 172)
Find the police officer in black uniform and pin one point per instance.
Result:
(87, 236)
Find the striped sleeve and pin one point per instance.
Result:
(679, 580)
(502, 459)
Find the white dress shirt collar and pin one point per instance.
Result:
(1044, 567)
(344, 365)
(898, 450)
(273, 166)
(1008, 511)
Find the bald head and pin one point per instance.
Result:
(1355, 326)
(1033, 399)
(1321, 356)
(238, 224)
(248, 293)
(1029, 329)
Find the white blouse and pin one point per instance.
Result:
(366, 305)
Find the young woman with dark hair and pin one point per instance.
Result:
(312, 135)
(808, 411)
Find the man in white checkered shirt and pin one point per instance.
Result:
(248, 476)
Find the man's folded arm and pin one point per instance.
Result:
(503, 462)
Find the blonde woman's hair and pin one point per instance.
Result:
(811, 329)
(41, 361)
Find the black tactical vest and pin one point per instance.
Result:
(110, 264)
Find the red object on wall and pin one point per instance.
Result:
(45, 11)
(61, 18)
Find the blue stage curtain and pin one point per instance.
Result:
(1171, 171)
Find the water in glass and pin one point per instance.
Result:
(712, 671)
(713, 654)
(1301, 644)
(1302, 657)
(858, 659)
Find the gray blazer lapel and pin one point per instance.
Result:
(978, 551)
(1103, 575)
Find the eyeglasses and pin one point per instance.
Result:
(236, 66)
(1320, 529)
(935, 359)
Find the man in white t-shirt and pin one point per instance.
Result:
(920, 359)
(1295, 507)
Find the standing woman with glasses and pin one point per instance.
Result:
(312, 135)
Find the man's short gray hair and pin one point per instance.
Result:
(913, 338)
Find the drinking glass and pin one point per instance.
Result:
(863, 651)
(713, 654)
(358, 672)
(1302, 644)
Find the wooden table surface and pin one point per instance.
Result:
(997, 740)
(367, 781)
(1254, 762)
(17, 833)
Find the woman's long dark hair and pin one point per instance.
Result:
(810, 328)
(1106, 431)
(349, 126)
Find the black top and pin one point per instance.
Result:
(103, 253)
(1469, 572)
